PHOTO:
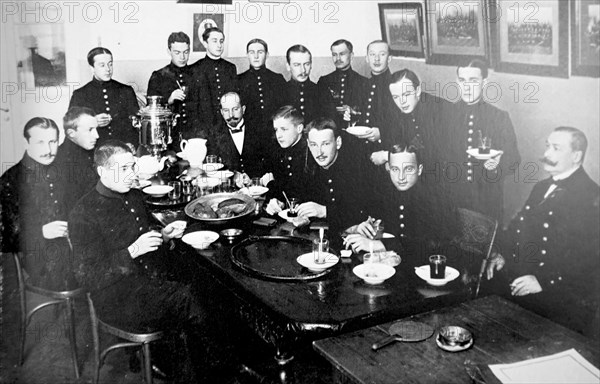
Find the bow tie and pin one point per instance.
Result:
(237, 130)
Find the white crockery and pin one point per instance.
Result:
(374, 273)
(157, 190)
(200, 239)
(423, 273)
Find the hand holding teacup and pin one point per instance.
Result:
(103, 119)
(178, 94)
(174, 230)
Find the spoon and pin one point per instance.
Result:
(182, 174)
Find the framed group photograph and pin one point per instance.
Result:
(585, 38)
(531, 37)
(402, 28)
(456, 31)
(202, 21)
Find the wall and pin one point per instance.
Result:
(137, 36)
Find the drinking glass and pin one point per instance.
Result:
(255, 182)
(175, 194)
(293, 207)
(186, 185)
(212, 159)
(437, 266)
(185, 90)
(320, 250)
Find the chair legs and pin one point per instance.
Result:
(147, 362)
(22, 325)
(72, 338)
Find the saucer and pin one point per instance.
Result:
(423, 273)
(475, 153)
(358, 130)
(257, 190)
(307, 260)
(211, 167)
(452, 348)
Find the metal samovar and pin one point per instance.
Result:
(154, 123)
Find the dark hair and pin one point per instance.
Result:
(404, 148)
(405, 74)
(343, 41)
(177, 37)
(321, 124)
(291, 113)
(297, 48)
(72, 117)
(108, 149)
(476, 63)
(578, 140)
(377, 42)
(258, 41)
(41, 122)
(208, 31)
(95, 52)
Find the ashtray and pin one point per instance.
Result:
(453, 338)
(231, 235)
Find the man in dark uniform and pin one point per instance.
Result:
(34, 216)
(113, 101)
(75, 158)
(291, 160)
(343, 87)
(477, 184)
(174, 83)
(554, 242)
(300, 91)
(213, 77)
(260, 88)
(241, 144)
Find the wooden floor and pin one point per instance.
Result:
(241, 359)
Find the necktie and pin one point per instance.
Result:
(237, 130)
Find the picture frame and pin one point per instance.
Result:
(402, 28)
(531, 37)
(456, 31)
(201, 22)
(585, 38)
(41, 54)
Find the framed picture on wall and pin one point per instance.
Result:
(585, 38)
(402, 28)
(457, 31)
(201, 22)
(531, 37)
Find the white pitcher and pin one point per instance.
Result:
(194, 151)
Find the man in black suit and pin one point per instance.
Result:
(242, 146)
(113, 102)
(300, 91)
(551, 248)
(260, 88)
(174, 83)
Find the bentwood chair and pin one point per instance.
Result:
(478, 233)
(133, 339)
(66, 298)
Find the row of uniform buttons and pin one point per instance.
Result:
(401, 217)
(137, 218)
(107, 109)
(218, 85)
(262, 102)
(183, 111)
(342, 85)
(302, 98)
(330, 181)
(289, 165)
(469, 146)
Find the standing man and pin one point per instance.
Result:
(478, 183)
(551, 248)
(300, 91)
(341, 88)
(75, 159)
(174, 83)
(34, 217)
(260, 88)
(113, 102)
(214, 77)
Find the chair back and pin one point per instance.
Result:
(478, 233)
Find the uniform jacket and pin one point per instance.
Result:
(340, 88)
(376, 100)
(262, 92)
(304, 96)
(76, 167)
(290, 171)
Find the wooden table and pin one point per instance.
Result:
(503, 333)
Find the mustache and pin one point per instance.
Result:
(548, 161)
(49, 155)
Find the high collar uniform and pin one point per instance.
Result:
(289, 167)
(77, 171)
(162, 83)
(375, 102)
(262, 91)
(32, 195)
(340, 88)
(556, 240)
(304, 96)
(114, 98)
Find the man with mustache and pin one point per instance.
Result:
(34, 218)
(242, 145)
(75, 158)
(551, 249)
(300, 91)
(214, 77)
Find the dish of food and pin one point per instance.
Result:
(217, 208)
(423, 273)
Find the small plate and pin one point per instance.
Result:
(475, 153)
(207, 182)
(307, 260)
(284, 215)
(257, 190)
(452, 348)
(211, 167)
(358, 130)
(141, 184)
(157, 190)
(200, 239)
(423, 273)
(374, 273)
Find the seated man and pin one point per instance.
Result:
(550, 250)
(34, 217)
(410, 210)
(116, 251)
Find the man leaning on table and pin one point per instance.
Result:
(551, 249)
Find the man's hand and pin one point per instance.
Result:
(147, 242)
(266, 178)
(361, 243)
(55, 229)
(176, 95)
(379, 157)
(496, 262)
(274, 206)
(372, 134)
(525, 285)
(103, 119)
(365, 228)
(174, 230)
(492, 163)
(312, 209)
(241, 180)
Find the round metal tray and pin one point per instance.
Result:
(274, 258)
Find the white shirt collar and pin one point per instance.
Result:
(565, 175)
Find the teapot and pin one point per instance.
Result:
(149, 165)
(194, 151)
